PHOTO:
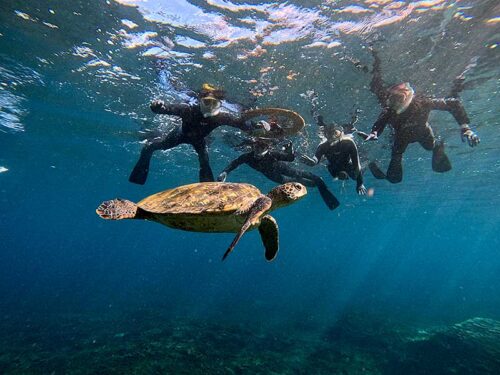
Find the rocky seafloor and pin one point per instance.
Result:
(145, 342)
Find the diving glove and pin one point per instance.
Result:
(157, 106)
(371, 137)
(468, 135)
(222, 177)
(288, 147)
(361, 189)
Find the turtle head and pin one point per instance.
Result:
(285, 194)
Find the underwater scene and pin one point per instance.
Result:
(249, 187)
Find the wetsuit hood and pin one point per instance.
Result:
(400, 97)
(333, 134)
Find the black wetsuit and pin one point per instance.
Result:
(412, 126)
(274, 165)
(343, 159)
(342, 156)
(193, 131)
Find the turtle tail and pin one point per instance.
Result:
(117, 209)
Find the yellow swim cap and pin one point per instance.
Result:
(209, 90)
(208, 87)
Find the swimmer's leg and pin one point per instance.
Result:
(140, 172)
(376, 171)
(395, 171)
(338, 171)
(310, 179)
(206, 173)
(350, 172)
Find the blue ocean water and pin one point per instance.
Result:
(82, 295)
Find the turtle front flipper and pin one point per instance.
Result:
(117, 209)
(268, 230)
(259, 207)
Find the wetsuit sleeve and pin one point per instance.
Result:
(354, 154)
(377, 85)
(242, 159)
(320, 120)
(452, 105)
(179, 109)
(233, 121)
(381, 122)
(282, 155)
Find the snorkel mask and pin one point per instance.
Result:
(210, 100)
(400, 97)
(333, 133)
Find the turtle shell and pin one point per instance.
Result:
(201, 198)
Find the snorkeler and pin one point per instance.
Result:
(348, 128)
(341, 153)
(274, 165)
(408, 114)
(198, 121)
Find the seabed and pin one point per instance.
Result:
(147, 342)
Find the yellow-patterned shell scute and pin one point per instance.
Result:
(202, 198)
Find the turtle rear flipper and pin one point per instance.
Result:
(117, 209)
(268, 230)
(260, 206)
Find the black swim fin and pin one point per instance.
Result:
(440, 161)
(330, 200)
(376, 171)
(140, 172)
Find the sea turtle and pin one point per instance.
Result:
(212, 207)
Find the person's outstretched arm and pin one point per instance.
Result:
(379, 125)
(320, 120)
(456, 108)
(234, 121)
(377, 85)
(320, 151)
(350, 127)
(178, 109)
(242, 159)
(287, 154)
(354, 155)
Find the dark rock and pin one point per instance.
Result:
(470, 347)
